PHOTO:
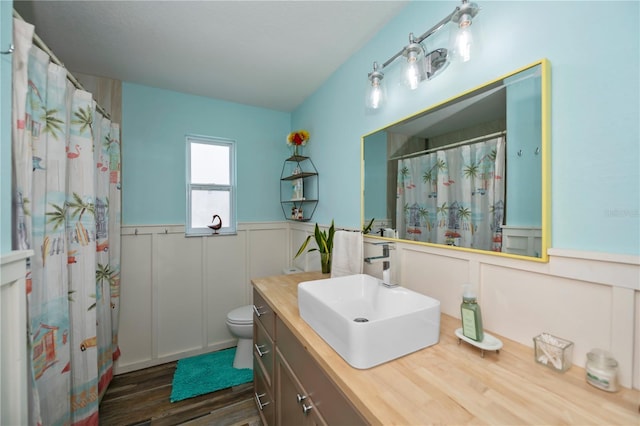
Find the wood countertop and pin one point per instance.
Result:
(450, 383)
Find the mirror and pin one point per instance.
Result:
(471, 173)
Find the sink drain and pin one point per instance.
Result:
(361, 320)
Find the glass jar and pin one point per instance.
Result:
(602, 370)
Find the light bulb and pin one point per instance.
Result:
(464, 43)
(375, 94)
(412, 73)
(413, 68)
(464, 39)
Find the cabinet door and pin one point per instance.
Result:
(263, 314)
(294, 406)
(263, 352)
(263, 396)
(328, 400)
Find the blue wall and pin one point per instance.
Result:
(524, 166)
(6, 28)
(155, 123)
(595, 108)
(595, 127)
(375, 181)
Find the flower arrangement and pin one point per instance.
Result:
(297, 138)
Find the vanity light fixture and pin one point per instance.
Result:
(419, 65)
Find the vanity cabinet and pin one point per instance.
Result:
(315, 394)
(263, 358)
(290, 386)
(298, 188)
(295, 406)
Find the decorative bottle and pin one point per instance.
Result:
(471, 315)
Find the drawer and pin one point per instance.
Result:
(263, 351)
(319, 387)
(263, 314)
(263, 396)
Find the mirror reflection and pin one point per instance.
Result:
(466, 173)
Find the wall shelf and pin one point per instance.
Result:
(298, 188)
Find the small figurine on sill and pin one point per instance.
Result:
(215, 226)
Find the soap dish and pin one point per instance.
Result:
(489, 343)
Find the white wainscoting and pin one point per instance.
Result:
(13, 338)
(592, 299)
(176, 291)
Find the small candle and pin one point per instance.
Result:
(602, 370)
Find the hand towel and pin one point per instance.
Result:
(347, 253)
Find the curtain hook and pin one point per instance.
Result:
(520, 153)
(8, 52)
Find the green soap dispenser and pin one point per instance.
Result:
(471, 315)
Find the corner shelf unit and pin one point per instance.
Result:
(301, 204)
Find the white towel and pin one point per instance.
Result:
(347, 253)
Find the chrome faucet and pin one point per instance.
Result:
(386, 264)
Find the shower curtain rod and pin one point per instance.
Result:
(451, 145)
(42, 45)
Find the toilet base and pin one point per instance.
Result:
(244, 354)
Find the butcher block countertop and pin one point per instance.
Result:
(450, 383)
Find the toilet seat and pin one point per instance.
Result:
(241, 316)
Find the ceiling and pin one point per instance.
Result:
(270, 54)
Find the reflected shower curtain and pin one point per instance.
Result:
(66, 165)
(454, 196)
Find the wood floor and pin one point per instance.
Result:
(141, 398)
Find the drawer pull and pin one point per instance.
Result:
(301, 398)
(306, 408)
(260, 352)
(260, 404)
(256, 309)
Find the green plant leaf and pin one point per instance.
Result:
(332, 231)
(303, 246)
(367, 228)
(323, 240)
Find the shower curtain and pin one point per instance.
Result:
(454, 196)
(66, 200)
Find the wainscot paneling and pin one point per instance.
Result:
(178, 309)
(176, 291)
(136, 322)
(14, 382)
(592, 299)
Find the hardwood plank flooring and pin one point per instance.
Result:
(141, 398)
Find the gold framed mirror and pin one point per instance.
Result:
(471, 173)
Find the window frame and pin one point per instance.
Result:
(229, 226)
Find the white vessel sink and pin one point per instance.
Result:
(367, 323)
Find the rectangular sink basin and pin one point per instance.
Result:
(366, 323)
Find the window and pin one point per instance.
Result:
(211, 186)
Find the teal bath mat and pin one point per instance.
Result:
(207, 373)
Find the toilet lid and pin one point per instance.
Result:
(241, 315)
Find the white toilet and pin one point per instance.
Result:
(240, 324)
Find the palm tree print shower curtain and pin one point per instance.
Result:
(66, 162)
(454, 196)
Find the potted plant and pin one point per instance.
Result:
(324, 241)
